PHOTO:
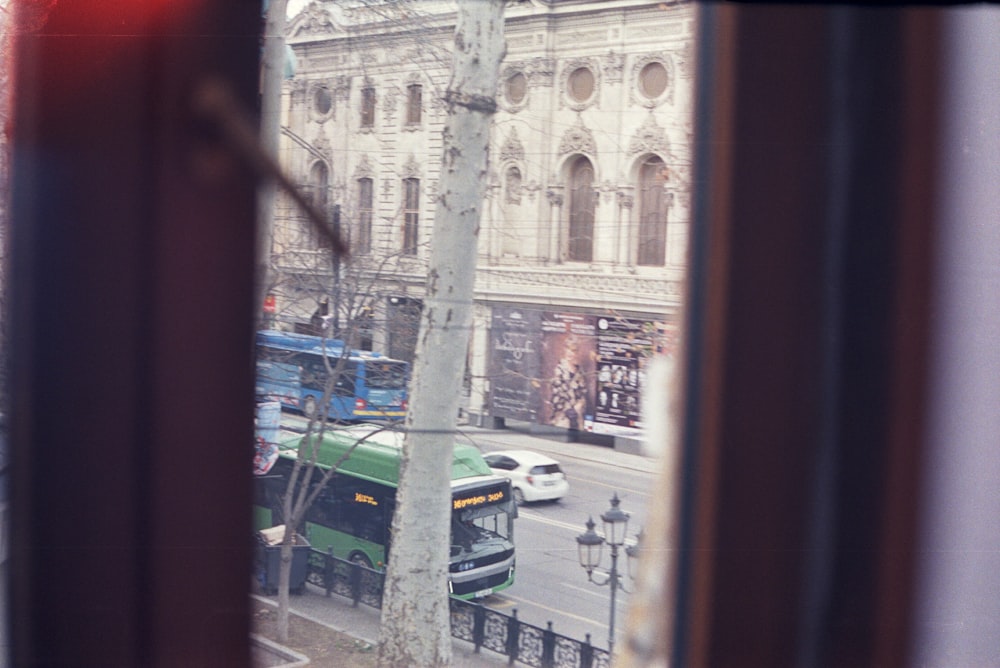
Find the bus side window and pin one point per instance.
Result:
(324, 509)
(346, 379)
(313, 373)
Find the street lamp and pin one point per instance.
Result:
(590, 544)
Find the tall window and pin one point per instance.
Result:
(363, 242)
(652, 213)
(367, 107)
(414, 94)
(513, 185)
(319, 186)
(581, 211)
(411, 215)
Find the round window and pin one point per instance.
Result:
(653, 80)
(517, 86)
(322, 101)
(581, 84)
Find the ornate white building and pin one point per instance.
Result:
(587, 211)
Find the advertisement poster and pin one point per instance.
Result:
(623, 348)
(568, 366)
(515, 363)
(571, 370)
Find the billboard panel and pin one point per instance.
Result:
(572, 370)
(515, 363)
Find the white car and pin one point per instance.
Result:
(533, 476)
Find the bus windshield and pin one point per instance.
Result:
(385, 375)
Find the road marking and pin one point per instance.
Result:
(617, 488)
(556, 611)
(528, 515)
(591, 591)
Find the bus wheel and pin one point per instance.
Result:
(518, 496)
(360, 558)
(309, 407)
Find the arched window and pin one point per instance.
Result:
(652, 213)
(580, 247)
(319, 183)
(513, 185)
(319, 186)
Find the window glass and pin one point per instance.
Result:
(581, 211)
(367, 107)
(653, 80)
(363, 239)
(581, 84)
(516, 87)
(414, 93)
(411, 215)
(322, 100)
(652, 213)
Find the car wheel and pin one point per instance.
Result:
(309, 407)
(518, 496)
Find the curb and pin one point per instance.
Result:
(291, 658)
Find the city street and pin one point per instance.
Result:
(551, 585)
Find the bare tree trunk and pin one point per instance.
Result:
(415, 629)
(272, 73)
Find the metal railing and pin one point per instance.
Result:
(472, 622)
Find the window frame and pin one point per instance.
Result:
(414, 104)
(582, 210)
(367, 110)
(651, 235)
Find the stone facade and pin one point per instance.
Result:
(588, 202)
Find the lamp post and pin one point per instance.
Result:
(590, 544)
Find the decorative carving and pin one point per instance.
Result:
(532, 187)
(685, 60)
(322, 144)
(313, 20)
(297, 89)
(629, 287)
(574, 37)
(540, 71)
(625, 200)
(364, 170)
(555, 198)
(607, 188)
(614, 66)
(341, 87)
(635, 93)
(651, 138)
(410, 169)
(568, 68)
(513, 149)
(519, 41)
(389, 101)
(578, 139)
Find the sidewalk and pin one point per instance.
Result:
(337, 613)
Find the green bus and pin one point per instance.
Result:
(353, 513)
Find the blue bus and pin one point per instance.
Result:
(292, 371)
